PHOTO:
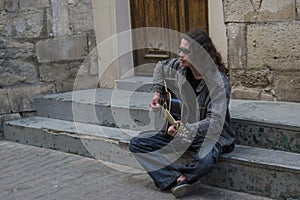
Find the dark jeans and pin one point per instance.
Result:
(153, 150)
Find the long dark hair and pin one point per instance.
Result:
(202, 38)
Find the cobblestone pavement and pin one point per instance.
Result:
(28, 172)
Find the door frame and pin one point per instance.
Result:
(179, 16)
(113, 16)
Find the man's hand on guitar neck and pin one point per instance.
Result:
(155, 102)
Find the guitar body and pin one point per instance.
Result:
(172, 109)
(175, 109)
(172, 104)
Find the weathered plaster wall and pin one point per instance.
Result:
(42, 46)
(263, 48)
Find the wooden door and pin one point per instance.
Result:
(178, 15)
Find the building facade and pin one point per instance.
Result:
(45, 43)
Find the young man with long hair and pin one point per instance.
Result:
(204, 126)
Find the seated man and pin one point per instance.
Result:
(204, 126)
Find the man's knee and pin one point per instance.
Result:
(209, 161)
(133, 145)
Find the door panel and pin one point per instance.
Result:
(197, 12)
(178, 15)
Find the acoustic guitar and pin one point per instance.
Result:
(171, 107)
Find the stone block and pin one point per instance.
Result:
(276, 11)
(92, 59)
(83, 79)
(78, 78)
(267, 97)
(16, 53)
(93, 62)
(9, 5)
(252, 78)
(13, 44)
(245, 93)
(72, 1)
(64, 86)
(49, 22)
(22, 98)
(259, 10)
(298, 9)
(28, 114)
(60, 49)
(77, 69)
(12, 49)
(7, 117)
(29, 4)
(239, 11)
(274, 45)
(81, 16)
(256, 4)
(24, 5)
(237, 47)
(287, 86)
(60, 18)
(4, 102)
(53, 72)
(23, 25)
(92, 44)
(80, 84)
(89, 82)
(16, 71)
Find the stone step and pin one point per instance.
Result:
(106, 107)
(273, 125)
(135, 83)
(89, 140)
(269, 173)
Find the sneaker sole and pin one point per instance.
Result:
(181, 190)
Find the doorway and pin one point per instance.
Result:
(178, 15)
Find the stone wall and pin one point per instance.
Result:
(42, 46)
(264, 48)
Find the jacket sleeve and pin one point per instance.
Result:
(163, 70)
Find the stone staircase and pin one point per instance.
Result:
(99, 123)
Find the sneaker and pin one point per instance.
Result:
(182, 188)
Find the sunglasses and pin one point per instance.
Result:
(184, 50)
